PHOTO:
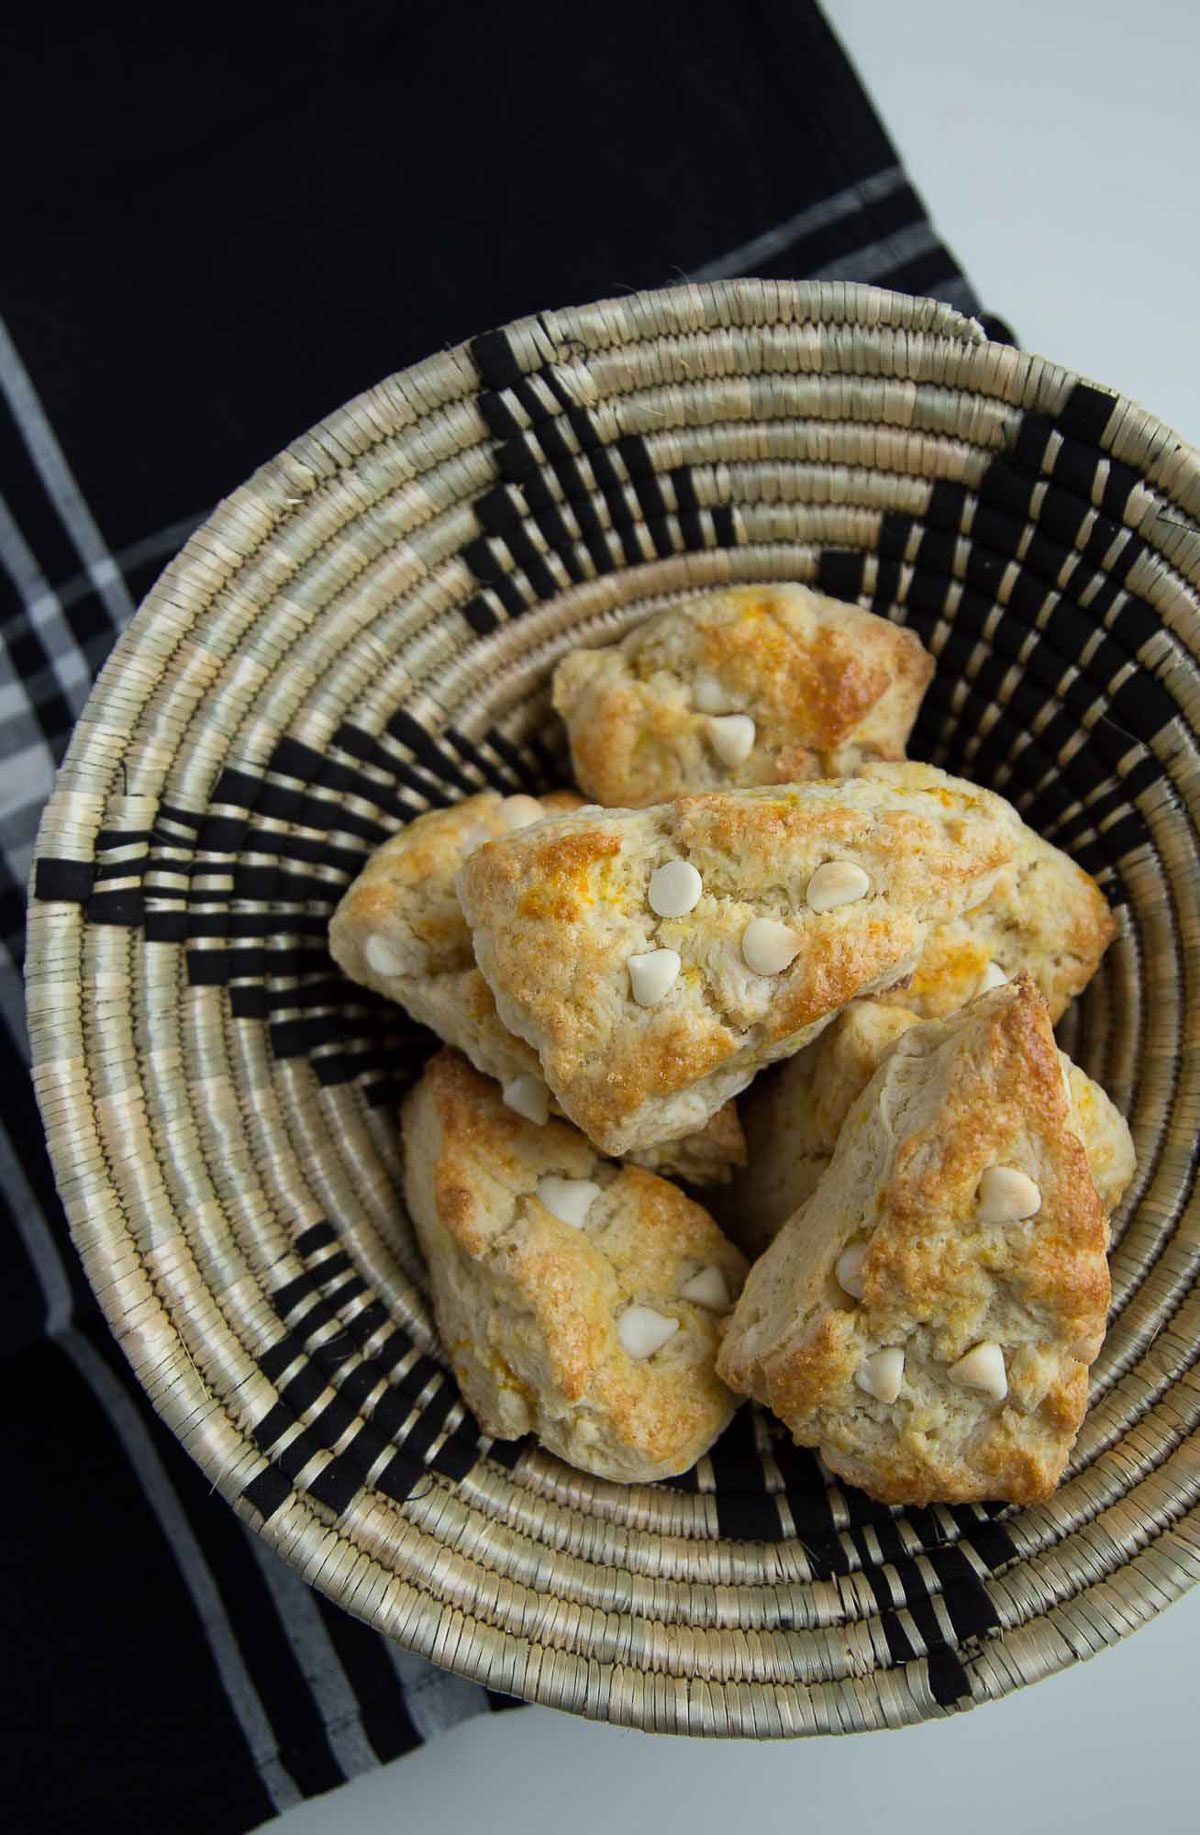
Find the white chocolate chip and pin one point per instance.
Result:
(652, 975)
(710, 696)
(838, 882)
(382, 958)
(882, 1374)
(993, 976)
(474, 838)
(588, 809)
(732, 738)
(707, 1288)
(769, 946)
(848, 1269)
(527, 1095)
(675, 889)
(1007, 1195)
(520, 812)
(569, 1200)
(982, 1369)
(642, 1331)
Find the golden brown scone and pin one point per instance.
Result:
(562, 922)
(599, 1336)
(399, 929)
(1104, 1133)
(826, 686)
(928, 1319)
(794, 1115)
(1045, 915)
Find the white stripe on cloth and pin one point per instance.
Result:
(162, 545)
(317, 1659)
(43, 609)
(434, 1698)
(160, 1494)
(71, 677)
(52, 468)
(39, 1244)
(877, 259)
(12, 1007)
(748, 255)
(25, 783)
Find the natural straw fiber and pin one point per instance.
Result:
(367, 627)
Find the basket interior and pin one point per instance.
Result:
(367, 630)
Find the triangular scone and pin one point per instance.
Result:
(794, 1115)
(928, 1318)
(766, 684)
(1045, 915)
(576, 1300)
(399, 929)
(789, 903)
(1104, 1133)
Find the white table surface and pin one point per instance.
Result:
(1057, 146)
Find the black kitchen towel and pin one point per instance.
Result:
(215, 234)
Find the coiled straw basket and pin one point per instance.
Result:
(367, 628)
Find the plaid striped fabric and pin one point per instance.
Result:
(231, 240)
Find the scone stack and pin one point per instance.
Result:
(760, 880)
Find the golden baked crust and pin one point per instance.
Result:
(556, 913)
(1045, 915)
(951, 1099)
(794, 1114)
(527, 1306)
(405, 897)
(827, 685)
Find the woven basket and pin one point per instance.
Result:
(367, 628)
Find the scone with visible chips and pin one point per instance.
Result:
(928, 1319)
(658, 958)
(400, 930)
(752, 685)
(576, 1300)
(794, 1114)
(1045, 915)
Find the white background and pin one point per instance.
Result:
(1057, 146)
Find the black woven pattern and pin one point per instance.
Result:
(343, 1363)
(276, 849)
(1020, 584)
(1020, 673)
(129, 442)
(597, 506)
(367, 1375)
